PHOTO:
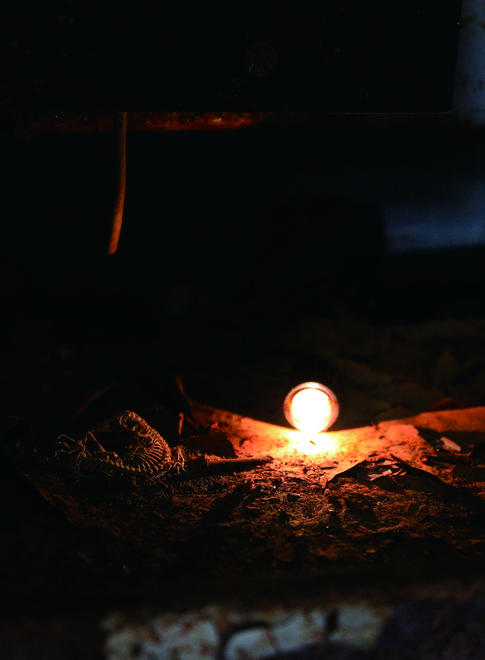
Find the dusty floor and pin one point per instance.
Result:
(380, 507)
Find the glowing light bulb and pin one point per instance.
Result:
(311, 407)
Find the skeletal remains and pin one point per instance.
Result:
(128, 445)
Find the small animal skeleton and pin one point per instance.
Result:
(128, 445)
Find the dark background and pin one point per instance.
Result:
(340, 56)
(229, 238)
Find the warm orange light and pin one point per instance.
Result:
(311, 407)
(311, 410)
(313, 444)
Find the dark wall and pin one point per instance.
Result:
(341, 56)
(255, 214)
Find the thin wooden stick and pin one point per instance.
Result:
(121, 125)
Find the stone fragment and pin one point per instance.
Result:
(359, 626)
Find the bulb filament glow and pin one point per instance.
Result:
(311, 407)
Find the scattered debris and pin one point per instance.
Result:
(449, 445)
(213, 442)
(438, 440)
(287, 514)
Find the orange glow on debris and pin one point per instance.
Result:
(311, 407)
(314, 443)
(336, 451)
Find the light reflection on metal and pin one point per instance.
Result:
(311, 407)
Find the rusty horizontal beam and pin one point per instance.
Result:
(155, 122)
